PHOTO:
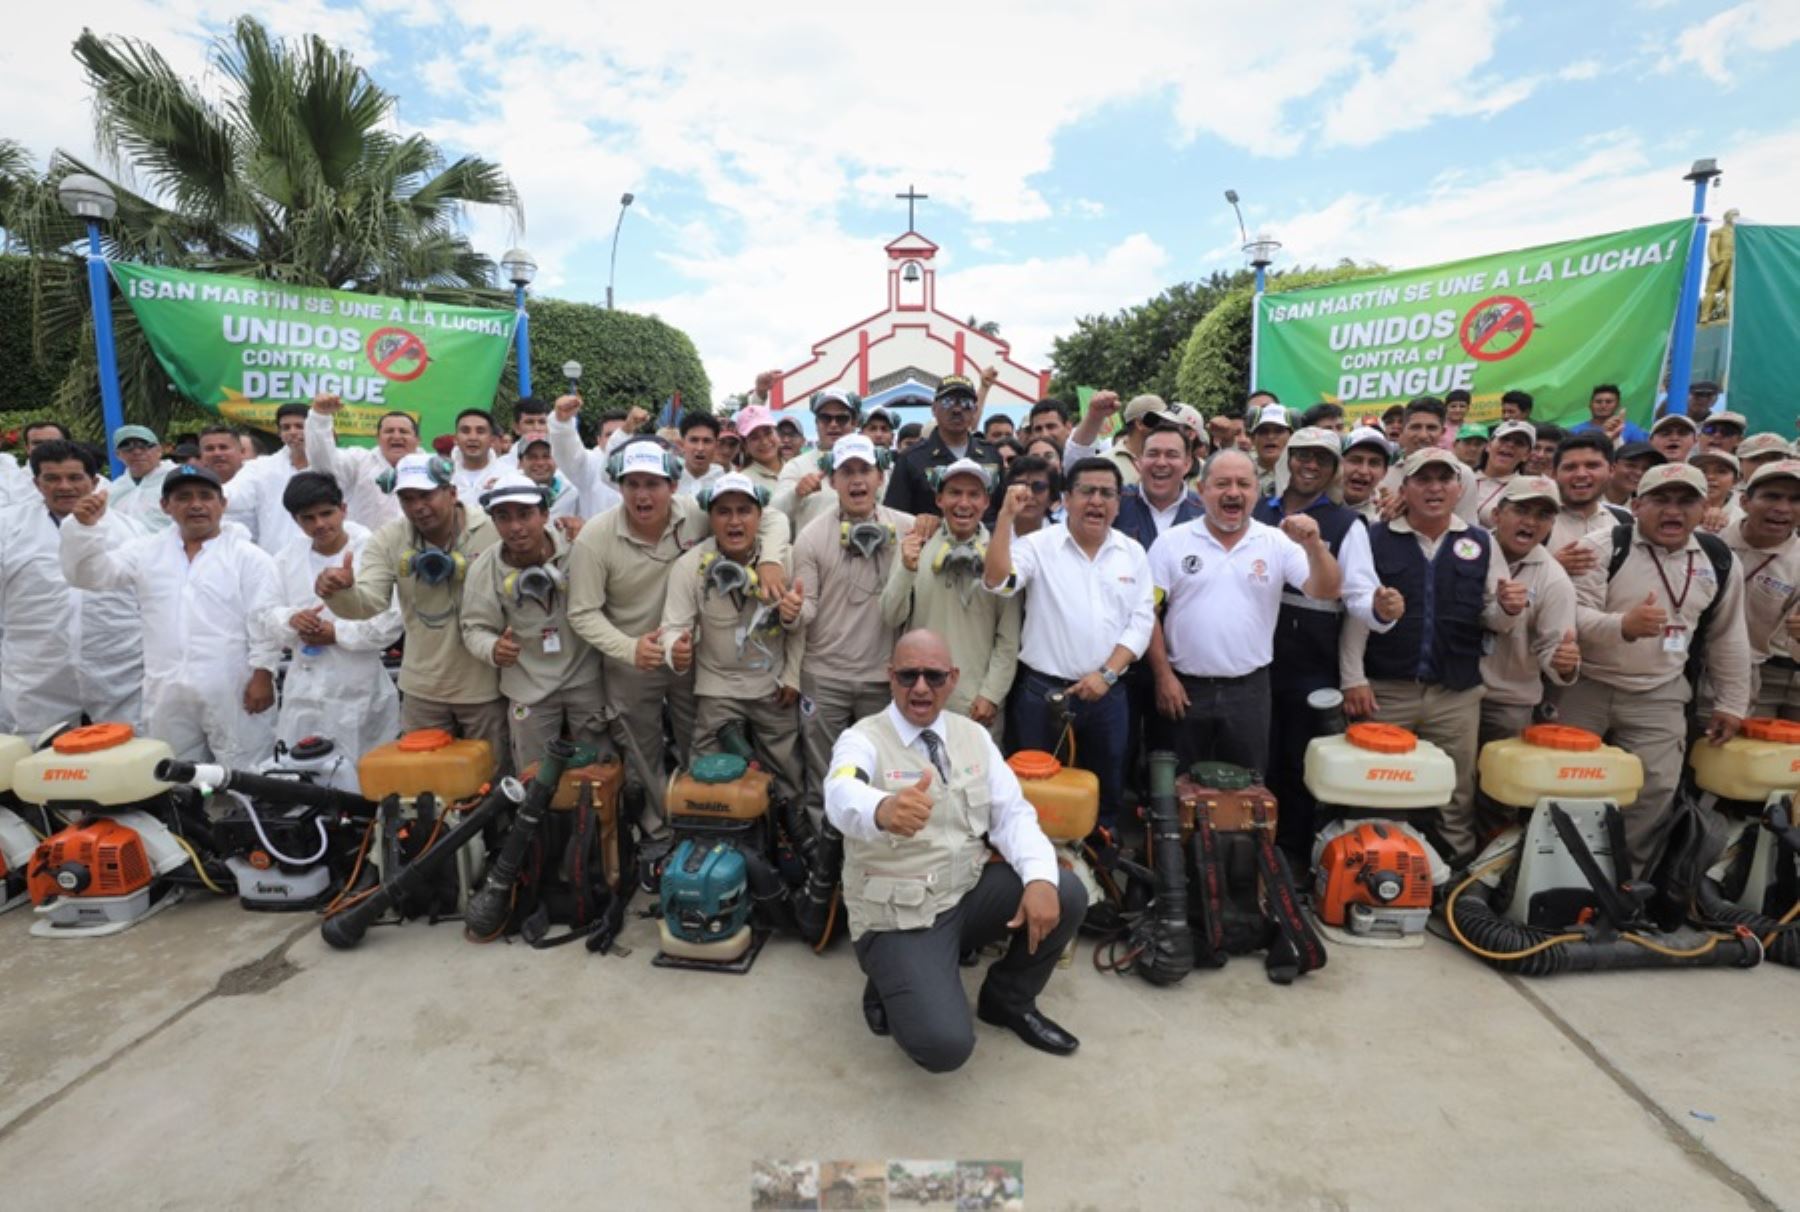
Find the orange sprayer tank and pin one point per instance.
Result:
(1379, 767)
(102, 764)
(1067, 800)
(1759, 761)
(427, 760)
(1555, 760)
(720, 787)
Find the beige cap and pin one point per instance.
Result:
(1418, 460)
(1507, 428)
(1682, 475)
(1786, 469)
(1728, 418)
(1675, 418)
(1190, 417)
(1758, 445)
(1312, 437)
(1719, 456)
(1146, 406)
(1532, 488)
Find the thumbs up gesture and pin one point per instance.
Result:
(337, 580)
(1567, 657)
(791, 601)
(649, 652)
(906, 812)
(1512, 596)
(506, 650)
(1645, 620)
(682, 654)
(89, 509)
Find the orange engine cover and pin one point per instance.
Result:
(97, 857)
(1372, 864)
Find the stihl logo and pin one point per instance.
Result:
(57, 774)
(1581, 772)
(1378, 775)
(1794, 765)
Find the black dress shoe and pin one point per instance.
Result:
(1029, 1025)
(874, 1013)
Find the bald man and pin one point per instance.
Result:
(913, 788)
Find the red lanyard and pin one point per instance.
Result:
(1664, 577)
(1767, 560)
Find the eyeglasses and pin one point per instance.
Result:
(1091, 490)
(1038, 487)
(934, 678)
(957, 404)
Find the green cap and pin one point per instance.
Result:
(1472, 433)
(141, 433)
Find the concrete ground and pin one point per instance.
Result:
(216, 1058)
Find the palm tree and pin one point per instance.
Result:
(295, 174)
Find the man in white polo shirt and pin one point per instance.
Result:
(1220, 577)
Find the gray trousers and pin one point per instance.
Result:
(917, 974)
(574, 713)
(1451, 720)
(637, 696)
(774, 729)
(471, 721)
(835, 706)
(1652, 725)
(1777, 691)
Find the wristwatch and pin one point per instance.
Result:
(1108, 676)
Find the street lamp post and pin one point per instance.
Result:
(91, 200)
(572, 372)
(1260, 252)
(520, 270)
(612, 266)
(1681, 350)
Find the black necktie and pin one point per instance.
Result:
(935, 748)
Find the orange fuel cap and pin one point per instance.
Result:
(1034, 764)
(1781, 732)
(424, 740)
(92, 738)
(1381, 738)
(1562, 736)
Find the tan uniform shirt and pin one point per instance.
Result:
(716, 621)
(982, 629)
(1126, 462)
(846, 637)
(803, 511)
(436, 665)
(551, 656)
(1520, 659)
(1771, 590)
(1686, 576)
(1571, 526)
(759, 474)
(1488, 491)
(617, 580)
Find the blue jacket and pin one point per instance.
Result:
(1136, 520)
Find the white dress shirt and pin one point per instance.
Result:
(1013, 827)
(1221, 603)
(1079, 609)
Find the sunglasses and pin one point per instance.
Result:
(934, 678)
(834, 418)
(1714, 430)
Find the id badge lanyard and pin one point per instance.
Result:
(1675, 632)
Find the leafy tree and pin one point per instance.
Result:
(1213, 370)
(1138, 348)
(625, 358)
(295, 175)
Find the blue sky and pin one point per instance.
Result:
(1075, 154)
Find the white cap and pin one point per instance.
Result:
(1508, 428)
(414, 471)
(735, 481)
(964, 467)
(1272, 414)
(514, 488)
(644, 458)
(852, 446)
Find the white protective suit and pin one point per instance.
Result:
(584, 468)
(257, 489)
(16, 486)
(200, 645)
(140, 501)
(339, 690)
(357, 469)
(66, 652)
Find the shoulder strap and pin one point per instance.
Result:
(1620, 514)
(1621, 540)
(1719, 554)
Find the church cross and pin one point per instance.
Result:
(911, 197)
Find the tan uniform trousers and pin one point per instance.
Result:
(834, 706)
(1451, 720)
(471, 721)
(636, 697)
(1778, 691)
(1651, 724)
(575, 713)
(774, 730)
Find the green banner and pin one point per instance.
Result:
(1765, 316)
(243, 347)
(1554, 321)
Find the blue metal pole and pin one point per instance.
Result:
(1687, 313)
(524, 341)
(112, 410)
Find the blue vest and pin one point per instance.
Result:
(1439, 639)
(1307, 631)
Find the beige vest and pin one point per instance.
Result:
(903, 883)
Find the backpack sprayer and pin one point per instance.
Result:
(1752, 779)
(18, 838)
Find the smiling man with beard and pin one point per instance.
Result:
(1581, 467)
(1221, 580)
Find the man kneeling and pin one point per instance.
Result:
(913, 789)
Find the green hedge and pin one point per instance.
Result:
(1215, 367)
(625, 358)
(27, 382)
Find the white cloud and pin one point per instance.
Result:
(1755, 26)
(1581, 69)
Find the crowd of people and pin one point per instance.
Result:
(1182, 582)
